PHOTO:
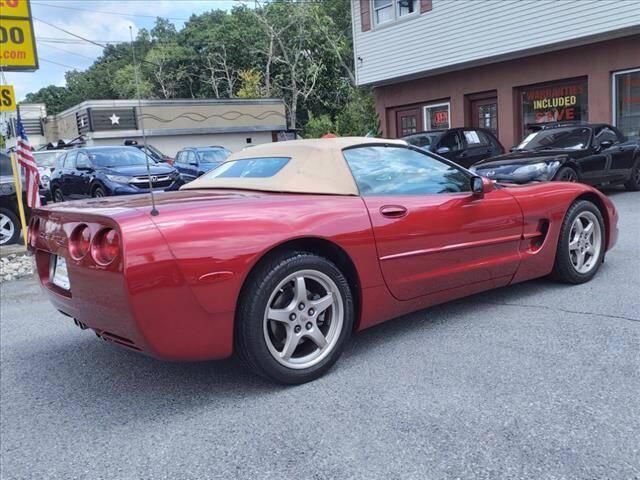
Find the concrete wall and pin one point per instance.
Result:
(595, 61)
(459, 33)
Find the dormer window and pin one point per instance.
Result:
(386, 11)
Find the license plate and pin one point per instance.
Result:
(60, 275)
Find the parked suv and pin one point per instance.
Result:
(106, 171)
(193, 162)
(464, 146)
(596, 154)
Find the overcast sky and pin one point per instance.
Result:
(100, 20)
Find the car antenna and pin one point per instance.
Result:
(154, 211)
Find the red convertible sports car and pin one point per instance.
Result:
(282, 251)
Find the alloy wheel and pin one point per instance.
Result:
(585, 242)
(7, 229)
(303, 319)
(569, 176)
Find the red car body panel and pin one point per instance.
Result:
(172, 291)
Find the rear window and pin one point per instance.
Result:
(263, 167)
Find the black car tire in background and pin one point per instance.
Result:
(57, 196)
(98, 192)
(9, 227)
(633, 184)
(567, 174)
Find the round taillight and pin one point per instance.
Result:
(106, 246)
(80, 242)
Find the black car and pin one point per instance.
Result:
(193, 162)
(153, 152)
(596, 154)
(106, 171)
(464, 146)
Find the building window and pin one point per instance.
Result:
(554, 102)
(626, 102)
(385, 11)
(436, 116)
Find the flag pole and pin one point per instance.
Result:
(18, 185)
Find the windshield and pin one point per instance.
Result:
(214, 155)
(118, 157)
(422, 139)
(558, 138)
(47, 159)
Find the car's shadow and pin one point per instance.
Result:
(118, 385)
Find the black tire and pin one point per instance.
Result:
(250, 342)
(10, 227)
(57, 195)
(633, 185)
(99, 192)
(566, 174)
(563, 269)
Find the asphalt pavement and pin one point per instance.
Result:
(535, 381)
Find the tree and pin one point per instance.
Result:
(54, 97)
(251, 84)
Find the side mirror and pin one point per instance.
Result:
(605, 144)
(443, 150)
(480, 186)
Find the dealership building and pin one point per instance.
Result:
(499, 64)
(169, 125)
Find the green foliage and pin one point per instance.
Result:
(316, 127)
(299, 51)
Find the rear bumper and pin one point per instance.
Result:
(143, 304)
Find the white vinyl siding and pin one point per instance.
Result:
(457, 33)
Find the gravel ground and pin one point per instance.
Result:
(15, 266)
(534, 381)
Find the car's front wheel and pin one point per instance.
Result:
(566, 174)
(99, 192)
(294, 316)
(9, 227)
(633, 184)
(581, 245)
(57, 195)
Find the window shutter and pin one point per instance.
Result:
(365, 15)
(425, 5)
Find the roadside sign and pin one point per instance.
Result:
(7, 98)
(17, 40)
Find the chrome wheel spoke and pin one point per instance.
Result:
(317, 337)
(585, 242)
(574, 244)
(290, 345)
(322, 304)
(301, 290)
(279, 315)
(579, 260)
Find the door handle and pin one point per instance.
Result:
(393, 211)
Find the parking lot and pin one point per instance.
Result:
(539, 380)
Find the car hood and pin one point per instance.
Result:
(522, 158)
(140, 170)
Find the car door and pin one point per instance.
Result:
(619, 154)
(449, 146)
(66, 176)
(178, 164)
(477, 146)
(432, 233)
(82, 178)
(192, 165)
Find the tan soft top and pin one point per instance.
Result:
(316, 166)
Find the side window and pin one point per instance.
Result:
(382, 170)
(179, 157)
(604, 134)
(191, 158)
(452, 141)
(70, 159)
(82, 161)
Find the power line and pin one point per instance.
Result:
(69, 33)
(70, 52)
(108, 13)
(58, 63)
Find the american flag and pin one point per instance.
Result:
(26, 160)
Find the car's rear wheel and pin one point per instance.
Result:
(57, 195)
(634, 182)
(294, 316)
(581, 245)
(9, 227)
(566, 174)
(98, 192)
